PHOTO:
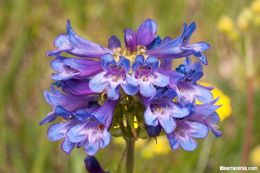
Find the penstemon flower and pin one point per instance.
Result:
(97, 89)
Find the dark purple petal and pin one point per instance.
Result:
(166, 64)
(114, 42)
(105, 113)
(130, 39)
(146, 32)
(69, 102)
(76, 87)
(153, 131)
(156, 42)
(92, 165)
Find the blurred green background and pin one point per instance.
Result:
(27, 30)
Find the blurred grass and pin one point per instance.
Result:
(27, 29)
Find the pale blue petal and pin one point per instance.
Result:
(67, 146)
(187, 143)
(173, 141)
(147, 89)
(98, 83)
(77, 133)
(130, 89)
(150, 118)
(57, 131)
(197, 130)
(161, 80)
(113, 92)
(91, 148)
(167, 123)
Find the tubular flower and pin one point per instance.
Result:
(98, 89)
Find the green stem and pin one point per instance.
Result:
(130, 154)
(249, 66)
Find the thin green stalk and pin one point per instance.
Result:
(249, 67)
(204, 154)
(130, 155)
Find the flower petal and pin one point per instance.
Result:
(153, 131)
(150, 118)
(146, 32)
(147, 89)
(82, 47)
(124, 62)
(130, 89)
(77, 133)
(187, 143)
(106, 60)
(114, 42)
(153, 62)
(63, 44)
(98, 83)
(160, 80)
(57, 131)
(167, 123)
(76, 87)
(130, 39)
(67, 146)
(173, 141)
(189, 92)
(197, 130)
(113, 92)
(139, 60)
(105, 140)
(91, 148)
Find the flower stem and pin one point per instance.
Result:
(250, 99)
(130, 154)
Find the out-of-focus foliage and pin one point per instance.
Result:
(27, 29)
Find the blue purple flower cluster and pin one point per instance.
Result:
(91, 81)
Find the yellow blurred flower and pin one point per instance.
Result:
(120, 141)
(244, 19)
(154, 148)
(255, 6)
(233, 36)
(257, 20)
(226, 109)
(225, 24)
(255, 156)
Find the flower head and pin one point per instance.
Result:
(132, 86)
